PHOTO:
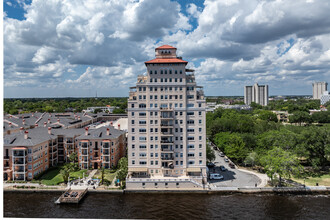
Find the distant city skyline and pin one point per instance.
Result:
(73, 49)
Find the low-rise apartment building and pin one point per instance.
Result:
(28, 153)
(101, 147)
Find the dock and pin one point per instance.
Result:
(73, 196)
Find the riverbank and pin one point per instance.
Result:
(219, 190)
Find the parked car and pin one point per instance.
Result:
(222, 155)
(222, 168)
(216, 176)
(226, 160)
(232, 165)
(211, 165)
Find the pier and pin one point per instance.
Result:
(72, 196)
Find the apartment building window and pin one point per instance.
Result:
(150, 79)
(156, 163)
(190, 130)
(176, 162)
(156, 146)
(151, 154)
(191, 138)
(181, 155)
(200, 138)
(180, 79)
(140, 97)
(133, 154)
(140, 89)
(180, 105)
(156, 154)
(200, 145)
(133, 138)
(133, 162)
(170, 71)
(143, 154)
(133, 130)
(143, 162)
(131, 123)
(191, 146)
(133, 146)
(151, 146)
(190, 122)
(143, 138)
(200, 129)
(200, 162)
(175, 80)
(142, 122)
(155, 72)
(29, 151)
(190, 113)
(155, 89)
(142, 105)
(151, 105)
(156, 97)
(151, 113)
(132, 113)
(161, 80)
(161, 97)
(191, 162)
(181, 122)
(200, 121)
(151, 97)
(181, 146)
(143, 146)
(150, 88)
(151, 162)
(200, 154)
(151, 138)
(180, 71)
(142, 130)
(191, 155)
(176, 72)
(181, 162)
(150, 72)
(142, 114)
(199, 105)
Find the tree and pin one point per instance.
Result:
(102, 174)
(65, 172)
(255, 105)
(267, 115)
(251, 159)
(300, 117)
(123, 169)
(281, 163)
(236, 149)
(74, 158)
(210, 156)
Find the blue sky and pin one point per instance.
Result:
(58, 48)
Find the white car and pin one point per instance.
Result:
(216, 176)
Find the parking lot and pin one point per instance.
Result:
(232, 177)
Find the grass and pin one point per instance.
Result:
(53, 176)
(108, 176)
(78, 174)
(323, 180)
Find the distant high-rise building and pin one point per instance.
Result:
(167, 133)
(318, 89)
(325, 97)
(256, 93)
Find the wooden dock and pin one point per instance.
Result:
(72, 196)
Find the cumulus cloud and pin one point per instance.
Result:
(65, 43)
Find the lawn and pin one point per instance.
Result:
(323, 180)
(107, 175)
(53, 176)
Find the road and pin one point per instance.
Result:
(232, 177)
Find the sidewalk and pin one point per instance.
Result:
(264, 178)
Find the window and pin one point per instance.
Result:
(142, 138)
(133, 162)
(142, 122)
(190, 130)
(191, 138)
(142, 130)
(143, 162)
(142, 146)
(142, 114)
(190, 146)
(191, 162)
(180, 71)
(132, 122)
(191, 154)
(150, 72)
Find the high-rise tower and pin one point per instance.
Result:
(167, 133)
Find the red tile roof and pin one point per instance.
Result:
(159, 60)
(165, 47)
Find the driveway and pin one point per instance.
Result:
(232, 177)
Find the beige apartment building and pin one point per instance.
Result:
(256, 93)
(166, 126)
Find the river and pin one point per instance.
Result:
(169, 206)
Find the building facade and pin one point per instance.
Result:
(325, 97)
(256, 93)
(166, 124)
(28, 153)
(318, 89)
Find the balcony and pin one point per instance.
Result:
(20, 162)
(167, 141)
(132, 95)
(163, 109)
(166, 125)
(142, 79)
(84, 146)
(167, 149)
(167, 158)
(84, 152)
